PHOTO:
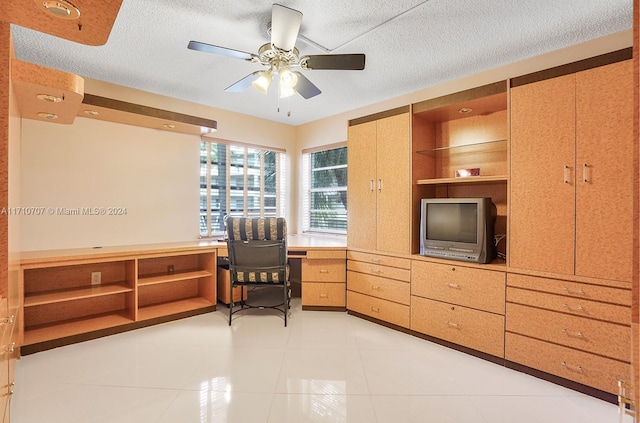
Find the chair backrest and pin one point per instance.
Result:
(257, 249)
(257, 228)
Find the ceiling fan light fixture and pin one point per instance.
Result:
(286, 92)
(288, 79)
(263, 82)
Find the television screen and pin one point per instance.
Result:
(454, 222)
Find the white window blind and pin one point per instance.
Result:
(239, 180)
(325, 190)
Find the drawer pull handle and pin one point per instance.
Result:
(375, 309)
(375, 260)
(452, 324)
(579, 308)
(574, 334)
(323, 271)
(324, 296)
(452, 285)
(574, 368)
(375, 288)
(376, 271)
(10, 349)
(570, 292)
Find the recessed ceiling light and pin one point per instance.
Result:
(49, 98)
(91, 112)
(465, 110)
(48, 116)
(60, 9)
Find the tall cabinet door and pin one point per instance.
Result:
(394, 184)
(541, 235)
(604, 172)
(361, 181)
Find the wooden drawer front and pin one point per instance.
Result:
(324, 294)
(471, 328)
(400, 263)
(475, 288)
(377, 270)
(327, 254)
(572, 289)
(397, 314)
(589, 335)
(325, 270)
(591, 370)
(571, 305)
(376, 286)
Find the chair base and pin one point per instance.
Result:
(284, 307)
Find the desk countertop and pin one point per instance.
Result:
(294, 241)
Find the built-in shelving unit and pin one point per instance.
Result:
(461, 131)
(86, 293)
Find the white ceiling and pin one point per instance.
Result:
(409, 45)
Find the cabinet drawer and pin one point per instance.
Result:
(327, 254)
(571, 305)
(324, 270)
(572, 289)
(377, 270)
(589, 335)
(591, 370)
(469, 287)
(329, 294)
(387, 289)
(398, 262)
(471, 328)
(397, 314)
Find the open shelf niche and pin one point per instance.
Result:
(464, 130)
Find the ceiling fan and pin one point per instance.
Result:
(280, 56)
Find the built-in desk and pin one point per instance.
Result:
(317, 271)
(71, 295)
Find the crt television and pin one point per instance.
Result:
(458, 229)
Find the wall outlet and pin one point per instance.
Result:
(96, 278)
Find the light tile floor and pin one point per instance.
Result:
(324, 367)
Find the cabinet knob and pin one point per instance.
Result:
(579, 308)
(570, 292)
(574, 334)
(574, 368)
(453, 269)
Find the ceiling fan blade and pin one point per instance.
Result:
(243, 84)
(305, 88)
(285, 24)
(209, 48)
(334, 61)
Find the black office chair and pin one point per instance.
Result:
(257, 249)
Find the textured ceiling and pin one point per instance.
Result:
(409, 45)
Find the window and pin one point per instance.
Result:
(325, 188)
(240, 181)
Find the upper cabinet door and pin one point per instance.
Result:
(604, 172)
(541, 235)
(361, 183)
(394, 184)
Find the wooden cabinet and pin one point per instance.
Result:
(378, 287)
(86, 294)
(571, 172)
(578, 331)
(459, 304)
(324, 277)
(379, 182)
